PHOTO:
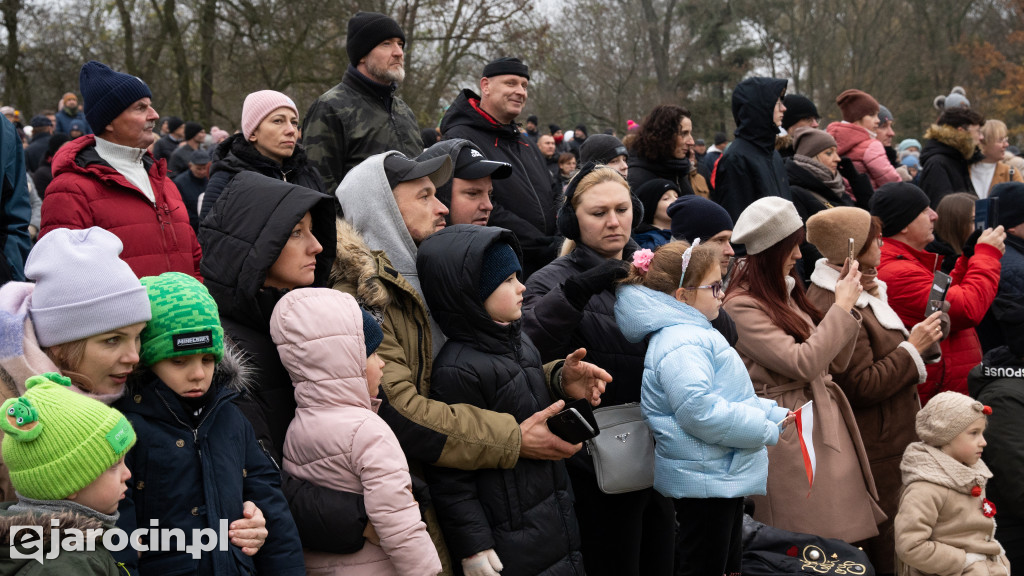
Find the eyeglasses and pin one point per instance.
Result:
(716, 288)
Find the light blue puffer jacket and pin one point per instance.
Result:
(709, 427)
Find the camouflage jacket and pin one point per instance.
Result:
(353, 121)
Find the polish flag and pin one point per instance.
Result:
(805, 431)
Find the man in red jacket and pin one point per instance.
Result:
(111, 180)
(908, 271)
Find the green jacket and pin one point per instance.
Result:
(98, 562)
(353, 121)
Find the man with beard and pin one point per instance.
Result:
(110, 180)
(362, 116)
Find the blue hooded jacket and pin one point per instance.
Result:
(710, 428)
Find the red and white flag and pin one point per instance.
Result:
(805, 432)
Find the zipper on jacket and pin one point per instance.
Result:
(419, 356)
(269, 456)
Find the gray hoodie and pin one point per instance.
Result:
(369, 205)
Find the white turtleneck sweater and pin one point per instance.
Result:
(127, 161)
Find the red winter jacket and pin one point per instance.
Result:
(909, 274)
(86, 191)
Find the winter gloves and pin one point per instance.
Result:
(579, 289)
(484, 563)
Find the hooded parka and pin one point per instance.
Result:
(751, 168)
(945, 162)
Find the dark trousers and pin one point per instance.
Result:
(709, 539)
(623, 534)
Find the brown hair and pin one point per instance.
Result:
(873, 233)
(666, 265)
(760, 277)
(565, 157)
(599, 175)
(656, 139)
(954, 224)
(68, 357)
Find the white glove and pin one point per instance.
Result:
(972, 558)
(484, 563)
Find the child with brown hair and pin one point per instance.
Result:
(946, 524)
(710, 428)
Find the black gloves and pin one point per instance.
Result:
(846, 168)
(578, 289)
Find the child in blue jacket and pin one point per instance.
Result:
(710, 428)
(197, 458)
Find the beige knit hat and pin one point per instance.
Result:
(765, 223)
(946, 415)
(830, 231)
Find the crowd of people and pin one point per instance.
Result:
(345, 335)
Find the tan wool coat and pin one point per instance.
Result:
(842, 502)
(940, 527)
(881, 385)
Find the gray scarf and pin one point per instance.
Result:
(822, 174)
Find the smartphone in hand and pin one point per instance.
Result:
(576, 423)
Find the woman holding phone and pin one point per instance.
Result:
(789, 348)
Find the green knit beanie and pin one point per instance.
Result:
(185, 319)
(57, 441)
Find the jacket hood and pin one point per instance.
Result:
(640, 311)
(466, 111)
(998, 363)
(451, 148)
(451, 264)
(245, 232)
(847, 135)
(356, 269)
(947, 141)
(65, 521)
(319, 335)
(236, 154)
(753, 109)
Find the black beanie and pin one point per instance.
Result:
(797, 108)
(897, 204)
(649, 193)
(601, 148)
(506, 65)
(191, 129)
(108, 93)
(696, 217)
(366, 30)
(500, 260)
(173, 123)
(372, 334)
(1011, 203)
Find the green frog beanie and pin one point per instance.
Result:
(57, 441)
(185, 319)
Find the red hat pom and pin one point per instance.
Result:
(976, 491)
(986, 410)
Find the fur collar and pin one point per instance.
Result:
(355, 268)
(66, 520)
(826, 277)
(924, 463)
(959, 140)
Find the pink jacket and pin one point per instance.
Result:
(336, 439)
(867, 154)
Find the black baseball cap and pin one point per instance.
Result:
(400, 169)
(472, 165)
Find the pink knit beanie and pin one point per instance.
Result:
(259, 105)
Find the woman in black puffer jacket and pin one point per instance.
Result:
(570, 304)
(268, 144)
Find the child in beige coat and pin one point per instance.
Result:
(945, 524)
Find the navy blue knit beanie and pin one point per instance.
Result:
(107, 93)
(500, 260)
(372, 334)
(696, 217)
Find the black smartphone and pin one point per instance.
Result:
(937, 295)
(576, 423)
(986, 213)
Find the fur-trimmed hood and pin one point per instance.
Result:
(65, 521)
(958, 140)
(355, 268)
